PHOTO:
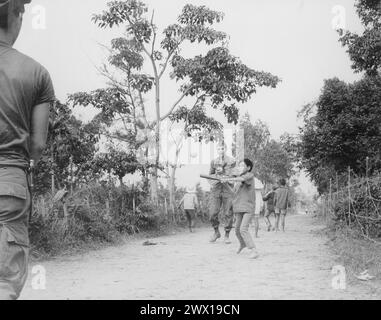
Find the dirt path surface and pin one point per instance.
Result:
(292, 265)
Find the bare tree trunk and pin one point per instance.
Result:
(154, 179)
(154, 186)
(172, 191)
(172, 179)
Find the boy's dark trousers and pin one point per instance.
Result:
(191, 215)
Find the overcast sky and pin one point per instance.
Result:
(293, 39)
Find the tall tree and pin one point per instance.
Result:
(271, 158)
(365, 50)
(117, 162)
(343, 130)
(216, 80)
(71, 146)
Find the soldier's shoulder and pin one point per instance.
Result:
(28, 63)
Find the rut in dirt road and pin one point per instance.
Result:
(292, 265)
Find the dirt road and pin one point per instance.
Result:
(292, 265)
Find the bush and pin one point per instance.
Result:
(95, 214)
(364, 205)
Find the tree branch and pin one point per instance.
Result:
(166, 63)
(175, 104)
(154, 33)
(169, 57)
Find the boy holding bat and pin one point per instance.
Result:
(244, 206)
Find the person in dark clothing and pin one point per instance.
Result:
(282, 203)
(26, 95)
(269, 199)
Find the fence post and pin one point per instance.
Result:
(330, 196)
(108, 207)
(368, 193)
(43, 207)
(133, 199)
(349, 195)
(53, 182)
(165, 206)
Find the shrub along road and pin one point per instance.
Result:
(292, 265)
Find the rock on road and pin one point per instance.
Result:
(292, 265)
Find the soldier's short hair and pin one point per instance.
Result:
(10, 9)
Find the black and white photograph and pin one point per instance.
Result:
(203, 152)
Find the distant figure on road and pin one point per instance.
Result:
(258, 205)
(26, 95)
(269, 199)
(282, 202)
(190, 203)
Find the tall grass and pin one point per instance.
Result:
(96, 214)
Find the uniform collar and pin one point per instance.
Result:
(5, 44)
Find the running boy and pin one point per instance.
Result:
(269, 198)
(190, 202)
(244, 206)
(282, 202)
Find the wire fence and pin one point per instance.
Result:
(355, 201)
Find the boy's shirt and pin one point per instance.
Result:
(269, 197)
(281, 198)
(189, 199)
(244, 198)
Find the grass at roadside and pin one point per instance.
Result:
(118, 240)
(354, 252)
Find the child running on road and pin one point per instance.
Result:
(269, 198)
(282, 202)
(244, 206)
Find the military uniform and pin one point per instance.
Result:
(221, 194)
(24, 84)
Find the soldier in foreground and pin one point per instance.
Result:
(26, 96)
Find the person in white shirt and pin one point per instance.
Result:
(190, 203)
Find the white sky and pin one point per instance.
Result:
(293, 39)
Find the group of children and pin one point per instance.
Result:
(245, 206)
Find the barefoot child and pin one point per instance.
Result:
(269, 198)
(244, 206)
(190, 202)
(282, 202)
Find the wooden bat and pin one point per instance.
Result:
(213, 177)
(209, 177)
